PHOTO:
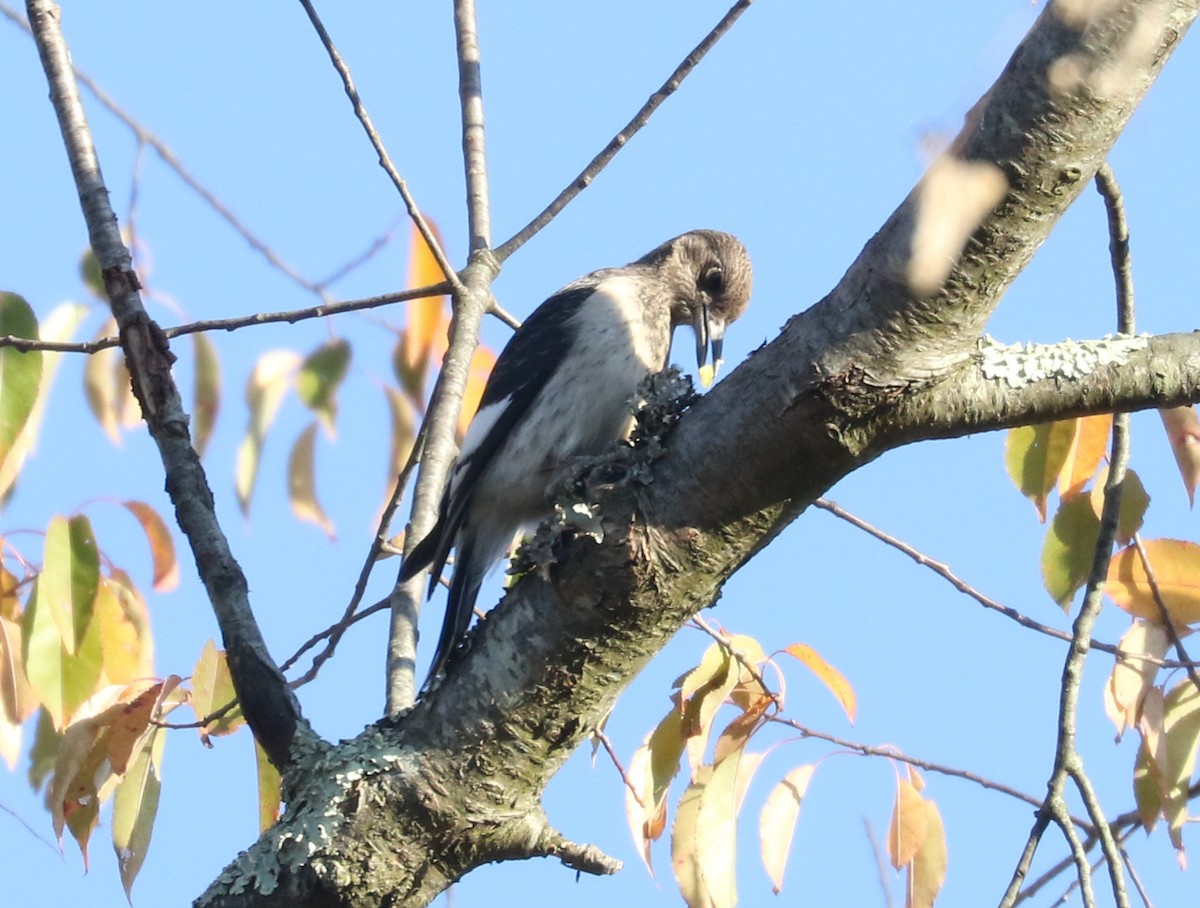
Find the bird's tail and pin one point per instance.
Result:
(464, 589)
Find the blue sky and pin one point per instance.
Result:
(800, 133)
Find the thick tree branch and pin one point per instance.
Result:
(269, 705)
(457, 780)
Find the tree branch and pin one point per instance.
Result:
(269, 705)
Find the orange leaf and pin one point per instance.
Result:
(425, 335)
(1176, 567)
(777, 822)
(162, 546)
(1089, 443)
(302, 481)
(827, 675)
(1183, 432)
(481, 367)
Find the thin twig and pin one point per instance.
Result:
(334, 633)
(943, 570)
(291, 316)
(1167, 621)
(600, 736)
(640, 119)
(1118, 244)
(385, 160)
(168, 157)
(1067, 762)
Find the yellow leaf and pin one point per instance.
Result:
(100, 385)
(684, 832)
(403, 430)
(910, 823)
(777, 822)
(1132, 677)
(126, 657)
(206, 393)
(1176, 567)
(1183, 432)
(135, 806)
(264, 392)
(1089, 444)
(1135, 500)
(268, 789)
(1034, 456)
(650, 772)
(716, 834)
(827, 675)
(212, 689)
(302, 481)
(482, 362)
(928, 869)
(17, 699)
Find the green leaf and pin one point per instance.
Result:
(61, 680)
(135, 805)
(59, 325)
(70, 577)
(206, 394)
(1069, 548)
(20, 373)
(319, 378)
(1035, 455)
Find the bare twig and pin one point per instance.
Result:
(385, 160)
(291, 316)
(943, 570)
(1067, 762)
(1167, 621)
(1118, 243)
(640, 119)
(334, 633)
(867, 750)
(168, 157)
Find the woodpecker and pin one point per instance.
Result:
(562, 388)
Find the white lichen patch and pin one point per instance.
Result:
(1018, 365)
(313, 823)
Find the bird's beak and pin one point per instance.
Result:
(710, 332)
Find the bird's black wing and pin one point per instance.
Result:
(524, 366)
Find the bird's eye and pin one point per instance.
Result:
(712, 280)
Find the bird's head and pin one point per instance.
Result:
(709, 276)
